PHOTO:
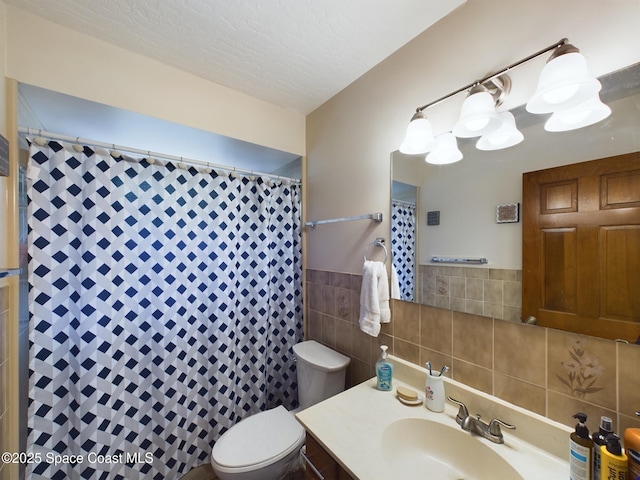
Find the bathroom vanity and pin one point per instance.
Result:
(366, 434)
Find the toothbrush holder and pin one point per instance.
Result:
(434, 393)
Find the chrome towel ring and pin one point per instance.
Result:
(378, 242)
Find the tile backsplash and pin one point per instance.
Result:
(550, 372)
(489, 292)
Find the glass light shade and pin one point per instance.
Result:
(477, 116)
(505, 136)
(445, 150)
(564, 82)
(419, 137)
(587, 113)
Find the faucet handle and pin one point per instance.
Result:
(462, 411)
(494, 426)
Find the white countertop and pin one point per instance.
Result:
(350, 427)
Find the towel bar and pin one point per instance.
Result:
(376, 217)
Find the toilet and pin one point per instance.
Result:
(264, 445)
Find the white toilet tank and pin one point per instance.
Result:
(321, 372)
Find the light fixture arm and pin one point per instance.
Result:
(560, 43)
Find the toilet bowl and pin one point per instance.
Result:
(264, 446)
(260, 447)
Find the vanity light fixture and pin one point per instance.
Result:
(564, 82)
(587, 113)
(565, 89)
(505, 136)
(478, 115)
(445, 150)
(419, 137)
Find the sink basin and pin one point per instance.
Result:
(442, 452)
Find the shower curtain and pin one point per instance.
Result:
(403, 246)
(164, 304)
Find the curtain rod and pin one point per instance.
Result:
(188, 161)
(403, 202)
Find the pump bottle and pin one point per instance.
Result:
(599, 439)
(581, 450)
(614, 462)
(384, 371)
(632, 446)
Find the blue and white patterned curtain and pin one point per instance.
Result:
(164, 304)
(403, 246)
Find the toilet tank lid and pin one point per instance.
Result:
(320, 356)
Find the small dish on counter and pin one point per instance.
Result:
(412, 403)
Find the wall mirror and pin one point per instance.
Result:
(454, 206)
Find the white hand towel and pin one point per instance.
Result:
(374, 297)
(395, 283)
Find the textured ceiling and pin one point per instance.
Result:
(293, 53)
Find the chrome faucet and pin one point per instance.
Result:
(490, 431)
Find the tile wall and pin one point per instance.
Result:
(495, 293)
(547, 371)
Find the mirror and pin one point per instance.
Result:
(456, 205)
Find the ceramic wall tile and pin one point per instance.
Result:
(406, 321)
(342, 280)
(343, 306)
(436, 329)
(314, 296)
(512, 314)
(520, 351)
(474, 289)
(475, 307)
(526, 395)
(443, 301)
(513, 294)
(457, 286)
(361, 345)
(562, 407)
(406, 350)
(344, 336)
(493, 310)
(629, 378)
(582, 367)
(329, 331)
(473, 339)
(328, 300)
(493, 291)
(314, 325)
(473, 375)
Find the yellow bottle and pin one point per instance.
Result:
(632, 446)
(614, 461)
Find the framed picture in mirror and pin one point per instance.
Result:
(508, 213)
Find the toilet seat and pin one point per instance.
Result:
(258, 441)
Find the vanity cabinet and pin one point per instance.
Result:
(327, 468)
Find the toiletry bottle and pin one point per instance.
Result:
(581, 450)
(632, 446)
(613, 465)
(599, 439)
(384, 371)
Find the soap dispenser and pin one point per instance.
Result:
(599, 439)
(614, 463)
(581, 450)
(384, 371)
